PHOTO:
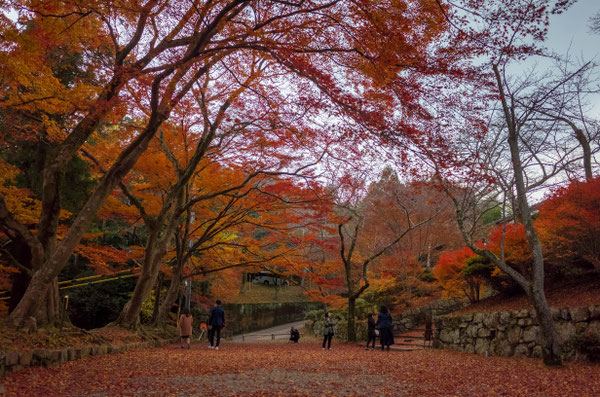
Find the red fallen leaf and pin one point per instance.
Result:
(275, 368)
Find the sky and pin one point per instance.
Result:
(572, 29)
(570, 32)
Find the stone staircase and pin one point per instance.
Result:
(413, 339)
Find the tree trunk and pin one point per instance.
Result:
(551, 352)
(550, 345)
(55, 262)
(157, 290)
(351, 320)
(587, 151)
(170, 298)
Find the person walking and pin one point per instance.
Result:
(216, 321)
(386, 326)
(328, 331)
(185, 327)
(371, 331)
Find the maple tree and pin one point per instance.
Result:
(568, 222)
(501, 33)
(139, 70)
(369, 227)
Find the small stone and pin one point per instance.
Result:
(504, 318)
(11, 358)
(472, 331)
(565, 331)
(478, 318)
(522, 313)
(595, 312)
(536, 352)
(564, 314)
(579, 314)
(483, 332)
(54, 356)
(41, 356)
(521, 351)
(514, 335)
(85, 351)
(491, 320)
(482, 345)
(501, 347)
(580, 327)
(556, 315)
(25, 358)
(531, 334)
(64, 355)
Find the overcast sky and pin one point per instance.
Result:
(572, 29)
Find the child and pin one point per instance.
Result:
(185, 327)
(371, 332)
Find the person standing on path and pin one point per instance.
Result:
(371, 332)
(216, 321)
(328, 330)
(185, 327)
(386, 325)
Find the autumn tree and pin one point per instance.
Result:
(145, 58)
(568, 223)
(502, 33)
(368, 227)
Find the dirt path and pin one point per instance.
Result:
(281, 332)
(276, 368)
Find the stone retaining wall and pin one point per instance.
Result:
(416, 317)
(515, 333)
(12, 360)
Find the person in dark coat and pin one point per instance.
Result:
(294, 335)
(386, 326)
(371, 333)
(216, 321)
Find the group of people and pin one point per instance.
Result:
(382, 329)
(216, 322)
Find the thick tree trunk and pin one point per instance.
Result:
(156, 249)
(551, 352)
(351, 319)
(55, 262)
(157, 290)
(171, 297)
(130, 315)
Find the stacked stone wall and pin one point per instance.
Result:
(416, 317)
(516, 333)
